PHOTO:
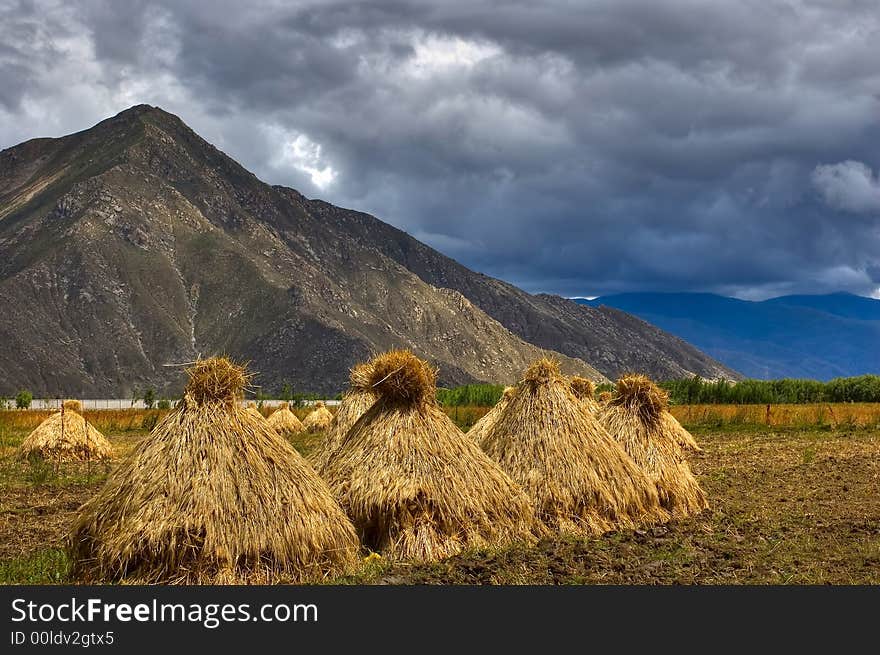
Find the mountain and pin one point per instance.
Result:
(132, 247)
(820, 337)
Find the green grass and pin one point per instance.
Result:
(46, 566)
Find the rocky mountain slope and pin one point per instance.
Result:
(134, 246)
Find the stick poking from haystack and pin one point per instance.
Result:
(414, 485)
(635, 416)
(318, 420)
(580, 480)
(355, 402)
(481, 427)
(285, 422)
(213, 496)
(66, 436)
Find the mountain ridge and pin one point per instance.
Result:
(820, 336)
(136, 244)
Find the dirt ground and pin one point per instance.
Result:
(787, 507)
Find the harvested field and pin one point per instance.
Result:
(788, 505)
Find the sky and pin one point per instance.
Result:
(579, 148)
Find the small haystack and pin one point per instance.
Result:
(355, 402)
(254, 411)
(635, 416)
(584, 390)
(318, 420)
(414, 485)
(213, 496)
(580, 480)
(604, 397)
(481, 427)
(285, 422)
(65, 437)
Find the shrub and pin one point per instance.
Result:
(24, 399)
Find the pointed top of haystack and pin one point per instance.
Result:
(284, 405)
(582, 388)
(398, 376)
(319, 404)
(216, 379)
(639, 394)
(604, 397)
(541, 372)
(72, 405)
(359, 378)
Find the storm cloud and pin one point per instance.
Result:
(575, 148)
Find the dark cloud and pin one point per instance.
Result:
(576, 148)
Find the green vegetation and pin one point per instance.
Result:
(696, 391)
(23, 399)
(163, 403)
(481, 395)
(46, 566)
(149, 398)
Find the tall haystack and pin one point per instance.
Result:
(285, 422)
(65, 437)
(214, 495)
(579, 479)
(414, 485)
(355, 402)
(318, 420)
(481, 427)
(584, 390)
(635, 416)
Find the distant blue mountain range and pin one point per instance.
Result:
(820, 337)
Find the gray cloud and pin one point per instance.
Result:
(848, 186)
(579, 149)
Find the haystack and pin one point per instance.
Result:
(604, 397)
(318, 420)
(66, 436)
(285, 422)
(481, 427)
(254, 411)
(214, 495)
(414, 485)
(584, 390)
(579, 479)
(635, 416)
(355, 402)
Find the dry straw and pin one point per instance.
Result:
(66, 436)
(584, 390)
(285, 422)
(318, 420)
(212, 496)
(355, 402)
(604, 397)
(254, 411)
(580, 480)
(480, 428)
(414, 485)
(637, 417)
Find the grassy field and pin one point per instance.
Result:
(791, 503)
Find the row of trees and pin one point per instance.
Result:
(691, 391)
(860, 389)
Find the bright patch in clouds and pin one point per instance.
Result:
(306, 156)
(440, 54)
